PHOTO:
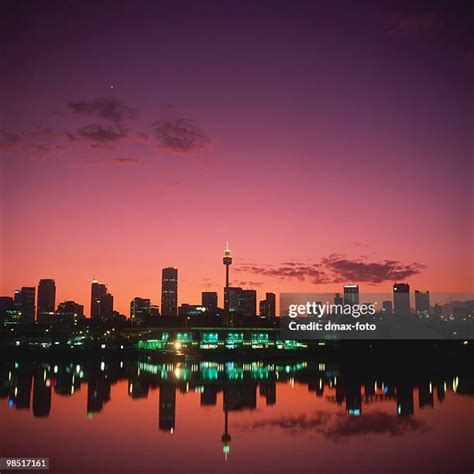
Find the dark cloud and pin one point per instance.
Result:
(71, 137)
(181, 136)
(101, 134)
(119, 161)
(288, 270)
(102, 146)
(249, 284)
(357, 270)
(335, 269)
(338, 426)
(9, 140)
(125, 161)
(107, 108)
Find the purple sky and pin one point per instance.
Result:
(333, 137)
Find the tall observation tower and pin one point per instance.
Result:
(227, 260)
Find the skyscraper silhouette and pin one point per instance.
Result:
(248, 302)
(25, 299)
(401, 298)
(422, 302)
(351, 294)
(270, 298)
(169, 291)
(267, 307)
(102, 302)
(98, 291)
(209, 301)
(139, 309)
(70, 309)
(46, 298)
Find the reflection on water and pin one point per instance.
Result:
(258, 416)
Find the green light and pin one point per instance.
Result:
(259, 340)
(209, 337)
(184, 337)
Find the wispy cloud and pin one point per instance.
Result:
(119, 161)
(249, 283)
(182, 136)
(107, 108)
(101, 134)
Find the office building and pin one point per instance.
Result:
(422, 302)
(241, 301)
(25, 301)
(209, 301)
(267, 307)
(437, 311)
(140, 309)
(46, 299)
(387, 307)
(154, 311)
(401, 298)
(98, 291)
(7, 310)
(169, 292)
(107, 307)
(248, 302)
(271, 300)
(70, 309)
(351, 294)
(232, 298)
(102, 302)
(191, 310)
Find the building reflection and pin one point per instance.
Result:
(98, 394)
(167, 409)
(41, 393)
(268, 390)
(425, 395)
(239, 385)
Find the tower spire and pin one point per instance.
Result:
(227, 261)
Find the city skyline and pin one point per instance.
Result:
(403, 300)
(234, 298)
